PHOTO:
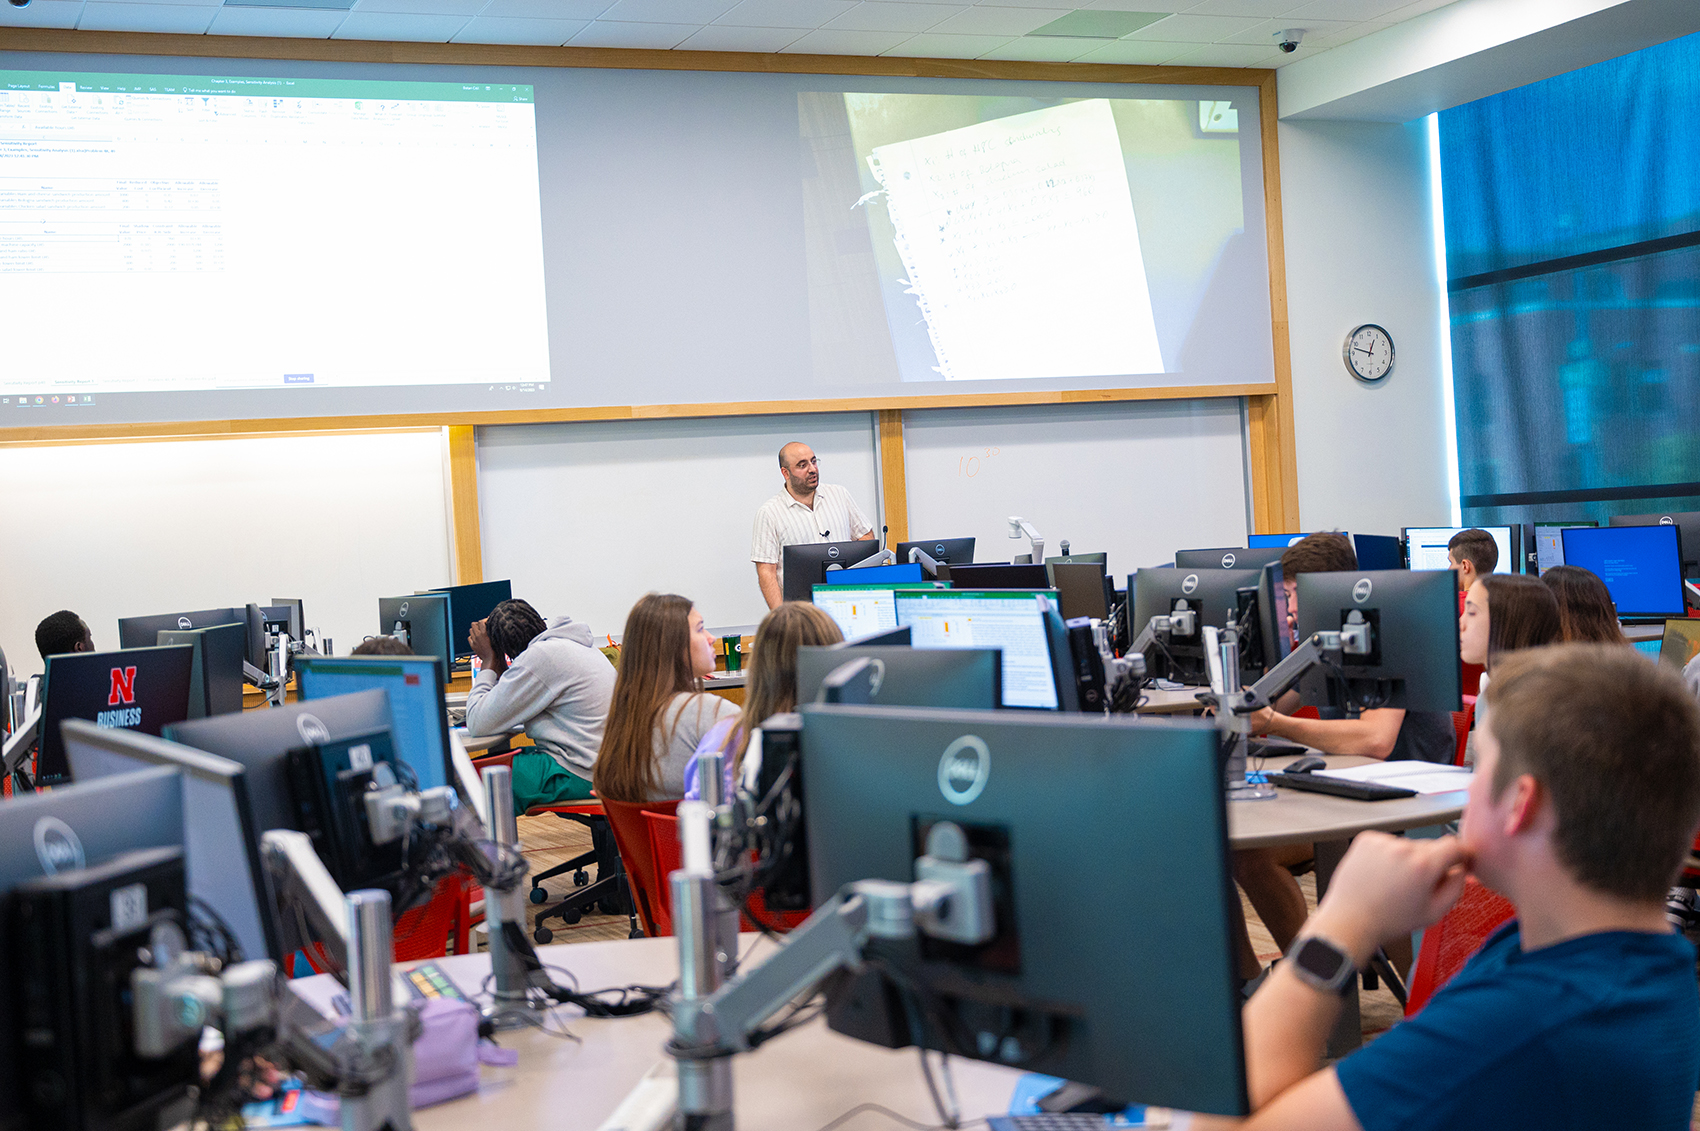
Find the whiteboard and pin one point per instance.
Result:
(586, 518)
(122, 530)
(1137, 481)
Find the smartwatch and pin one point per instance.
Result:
(1320, 963)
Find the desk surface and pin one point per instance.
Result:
(1160, 702)
(1299, 818)
(798, 1082)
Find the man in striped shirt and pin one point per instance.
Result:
(805, 511)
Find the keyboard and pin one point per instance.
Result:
(1339, 787)
(1073, 1121)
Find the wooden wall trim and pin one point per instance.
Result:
(465, 543)
(214, 429)
(608, 58)
(1269, 418)
(894, 483)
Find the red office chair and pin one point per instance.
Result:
(648, 887)
(1461, 723)
(665, 852)
(1449, 943)
(429, 930)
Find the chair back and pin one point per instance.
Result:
(664, 851)
(1461, 722)
(1448, 944)
(428, 930)
(631, 835)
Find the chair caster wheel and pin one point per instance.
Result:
(538, 895)
(571, 917)
(636, 933)
(580, 878)
(543, 935)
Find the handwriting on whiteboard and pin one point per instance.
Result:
(969, 464)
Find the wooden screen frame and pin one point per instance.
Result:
(1269, 407)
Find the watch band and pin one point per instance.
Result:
(1320, 963)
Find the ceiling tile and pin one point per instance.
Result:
(1137, 52)
(785, 13)
(1051, 4)
(277, 23)
(933, 45)
(1418, 8)
(43, 13)
(546, 9)
(1264, 31)
(829, 41)
(1166, 7)
(718, 37)
(880, 16)
(983, 19)
(1263, 9)
(1050, 49)
(1098, 24)
(673, 11)
(404, 28)
(464, 8)
(503, 29)
(1228, 55)
(1351, 11)
(1188, 28)
(178, 18)
(653, 37)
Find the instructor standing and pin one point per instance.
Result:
(805, 511)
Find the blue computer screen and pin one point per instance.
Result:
(417, 720)
(1271, 541)
(874, 575)
(1640, 565)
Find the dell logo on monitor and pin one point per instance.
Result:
(1666, 520)
(1228, 561)
(312, 730)
(1361, 591)
(57, 846)
(1189, 583)
(963, 770)
(403, 610)
(183, 622)
(832, 551)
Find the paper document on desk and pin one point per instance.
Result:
(1423, 777)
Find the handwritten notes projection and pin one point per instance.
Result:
(1021, 246)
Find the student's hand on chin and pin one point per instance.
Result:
(1389, 886)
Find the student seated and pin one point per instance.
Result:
(769, 689)
(550, 679)
(382, 646)
(660, 711)
(1507, 612)
(1581, 1012)
(1586, 612)
(1473, 554)
(62, 632)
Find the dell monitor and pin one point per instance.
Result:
(143, 689)
(44, 834)
(469, 604)
(1547, 539)
(418, 720)
(1641, 566)
(1228, 557)
(297, 625)
(1688, 522)
(948, 551)
(1425, 546)
(1379, 551)
(143, 632)
(803, 566)
(911, 677)
(891, 637)
(1012, 620)
(1210, 594)
(1099, 558)
(1080, 587)
(907, 573)
(422, 621)
(1413, 618)
(215, 673)
(1267, 541)
(222, 839)
(1020, 575)
(263, 621)
(858, 610)
(1105, 838)
(260, 741)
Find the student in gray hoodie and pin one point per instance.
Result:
(552, 680)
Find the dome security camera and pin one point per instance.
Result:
(1287, 39)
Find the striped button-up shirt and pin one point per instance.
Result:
(783, 521)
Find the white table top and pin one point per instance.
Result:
(1295, 817)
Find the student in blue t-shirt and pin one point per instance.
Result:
(1580, 1013)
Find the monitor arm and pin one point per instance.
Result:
(929, 565)
(304, 891)
(1319, 650)
(18, 743)
(883, 557)
(1018, 527)
(951, 900)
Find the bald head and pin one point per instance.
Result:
(801, 469)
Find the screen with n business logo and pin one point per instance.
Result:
(134, 689)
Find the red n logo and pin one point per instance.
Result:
(123, 686)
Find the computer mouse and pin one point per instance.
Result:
(1306, 764)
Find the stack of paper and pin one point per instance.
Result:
(1423, 777)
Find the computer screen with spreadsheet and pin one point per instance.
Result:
(1009, 619)
(858, 610)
